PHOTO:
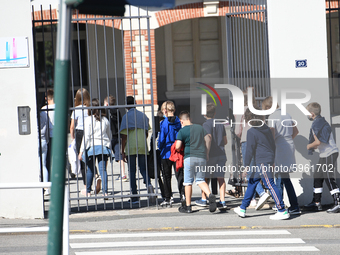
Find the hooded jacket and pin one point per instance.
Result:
(261, 145)
(167, 136)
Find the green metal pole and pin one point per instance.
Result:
(59, 145)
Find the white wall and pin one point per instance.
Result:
(296, 31)
(19, 153)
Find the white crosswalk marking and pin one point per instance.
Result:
(181, 242)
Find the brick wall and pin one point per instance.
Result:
(137, 65)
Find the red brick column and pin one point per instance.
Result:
(137, 65)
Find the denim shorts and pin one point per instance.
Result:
(216, 167)
(193, 168)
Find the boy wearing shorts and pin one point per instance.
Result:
(194, 139)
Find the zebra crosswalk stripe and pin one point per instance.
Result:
(182, 242)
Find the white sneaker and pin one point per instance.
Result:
(274, 208)
(253, 203)
(263, 199)
(240, 212)
(280, 215)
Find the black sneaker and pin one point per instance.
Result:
(222, 206)
(334, 209)
(185, 209)
(313, 206)
(295, 211)
(212, 202)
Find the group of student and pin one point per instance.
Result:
(102, 134)
(200, 145)
(264, 147)
(97, 131)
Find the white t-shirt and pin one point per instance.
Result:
(77, 115)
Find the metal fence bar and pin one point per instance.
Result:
(81, 77)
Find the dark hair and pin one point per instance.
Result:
(97, 113)
(255, 120)
(50, 94)
(211, 109)
(130, 100)
(184, 115)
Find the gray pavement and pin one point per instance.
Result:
(313, 227)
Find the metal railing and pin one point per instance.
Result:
(98, 62)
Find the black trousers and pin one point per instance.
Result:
(79, 139)
(324, 171)
(167, 166)
(167, 173)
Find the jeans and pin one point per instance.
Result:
(259, 189)
(102, 159)
(284, 179)
(132, 171)
(268, 180)
(44, 156)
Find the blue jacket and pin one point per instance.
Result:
(261, 144)
(167, 136)
(321, 129)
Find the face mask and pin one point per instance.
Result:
(309, 117)
(164, 116)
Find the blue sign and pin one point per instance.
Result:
(301, 63)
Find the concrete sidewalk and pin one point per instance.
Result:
(147, 219)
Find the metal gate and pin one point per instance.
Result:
(248, 60)
(99, 67)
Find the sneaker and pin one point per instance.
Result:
(165, 203)
(134, 201)
(124, 178)
(240, 212)
(295, 211)
(172, 200)
(313, 206)
(47, 192)
(222, 205)
(253, 203)
(334, 209)
(212, 202)
(280, 215)
(274, 208)
(185, 209)
(201, 202)
(263, 199)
